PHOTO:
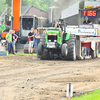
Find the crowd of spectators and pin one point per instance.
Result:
(34, 39)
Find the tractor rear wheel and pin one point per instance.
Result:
(42, 39)
(92, 54)
(71, 47)
(99, 47)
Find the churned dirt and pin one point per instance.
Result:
(29, 78)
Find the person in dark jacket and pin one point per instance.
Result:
(31, 42)
(87, 21)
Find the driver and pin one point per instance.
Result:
(87, 21)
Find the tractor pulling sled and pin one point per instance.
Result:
(70, 43)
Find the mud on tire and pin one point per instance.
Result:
(42, 39)
(42, 53)
(64, 50)
(45, 55)
(40, 48)
(71, 43)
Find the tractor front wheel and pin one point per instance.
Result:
(64, 50)
(40, 49)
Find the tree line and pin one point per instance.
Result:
(42, 4)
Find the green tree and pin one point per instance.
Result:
(24, 2)
(3, 6)
(9, 2)
(42, 4)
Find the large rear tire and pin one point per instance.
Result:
(99, 47)
(40, 46)
(42, 39)
(71, 47)
(92, 54)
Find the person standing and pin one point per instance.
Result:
(44, 31)
(14, 39)
(9, 40)
(36, 40)
(0, 36)
(31, 42)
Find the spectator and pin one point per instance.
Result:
(31, 42)
(44, 31)
(0, 36)
(36, 40)
(14, 39)
(9, 40)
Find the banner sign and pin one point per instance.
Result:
(82, 31)
(2, 28)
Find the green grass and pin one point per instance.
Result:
(19, 53)
(95, 95)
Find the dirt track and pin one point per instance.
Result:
(28, 78)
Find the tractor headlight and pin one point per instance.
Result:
(49, 40)
(55, 40)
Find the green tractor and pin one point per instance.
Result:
(57, 43)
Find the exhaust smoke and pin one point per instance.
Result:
(65, 3)
(58, 7)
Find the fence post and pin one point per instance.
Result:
(69, 91)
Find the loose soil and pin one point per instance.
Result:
(29, 78)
